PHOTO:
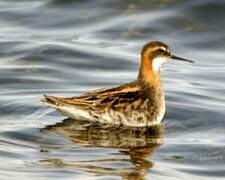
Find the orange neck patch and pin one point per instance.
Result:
(147, 74)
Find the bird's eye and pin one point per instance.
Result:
(161, 50)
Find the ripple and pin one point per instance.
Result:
(68, 47)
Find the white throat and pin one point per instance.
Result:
(157, 63)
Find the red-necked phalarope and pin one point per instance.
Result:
(138, 103)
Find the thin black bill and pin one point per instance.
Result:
(181, 59)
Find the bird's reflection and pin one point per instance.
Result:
(136, 143)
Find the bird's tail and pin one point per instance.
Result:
(51, 101)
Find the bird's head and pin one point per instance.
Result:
(158, 53)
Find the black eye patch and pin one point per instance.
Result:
(161, 51)
(157, 53)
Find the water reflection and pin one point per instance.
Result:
(134, 146)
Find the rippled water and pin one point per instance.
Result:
(66, 47)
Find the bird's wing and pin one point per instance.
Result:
(115, 98)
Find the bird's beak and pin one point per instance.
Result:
(181, 59)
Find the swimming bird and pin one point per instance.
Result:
(140, 103)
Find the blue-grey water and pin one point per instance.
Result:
(66, 47)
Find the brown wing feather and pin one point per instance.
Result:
(115, 98)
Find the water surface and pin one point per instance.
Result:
(67, 47)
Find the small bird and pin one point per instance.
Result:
(140, 103)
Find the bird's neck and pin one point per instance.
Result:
(147, 75)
